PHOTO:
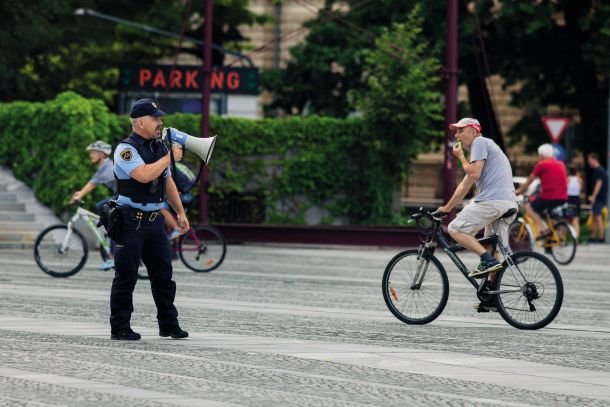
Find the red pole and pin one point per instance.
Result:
(451, 70)
(205, 105)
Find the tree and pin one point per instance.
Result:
(401, 107)
(558, 51)
(328, 64)
(47, 49)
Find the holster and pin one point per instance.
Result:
(112, 218)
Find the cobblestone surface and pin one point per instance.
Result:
(285, 326)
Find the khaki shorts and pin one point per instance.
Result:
(485, 214)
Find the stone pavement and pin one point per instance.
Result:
(295, 326)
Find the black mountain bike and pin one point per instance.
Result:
(527, 291)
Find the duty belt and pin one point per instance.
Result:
(141, 215)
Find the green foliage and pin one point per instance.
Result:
(558, 53)
(44, 144)
(327, 65)
(47, 49)
(401, 107)
(295, 164)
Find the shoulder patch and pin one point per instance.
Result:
(126, 154)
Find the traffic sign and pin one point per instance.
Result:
(555, 127)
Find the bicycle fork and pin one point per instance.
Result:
(63, 248)
(421, 269)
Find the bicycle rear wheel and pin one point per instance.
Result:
(415, 289)
(203, 248)
(56, 258)
(519, 238)
(564, 250)
(530, 293)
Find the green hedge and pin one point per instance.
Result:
(294, 163)
(44, 144)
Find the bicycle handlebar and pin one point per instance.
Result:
(435, 216)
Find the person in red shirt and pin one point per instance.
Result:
(554, 183)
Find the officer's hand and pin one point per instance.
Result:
(178, 151)
(75, 197)
(183, 222)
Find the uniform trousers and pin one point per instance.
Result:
(146, 240)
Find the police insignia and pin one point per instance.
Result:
(126, 154)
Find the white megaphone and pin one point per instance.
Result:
(203, 147)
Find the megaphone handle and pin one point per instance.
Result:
(172, 159)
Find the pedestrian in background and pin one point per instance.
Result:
(574, 188)
(598, 197)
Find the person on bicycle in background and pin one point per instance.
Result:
(554, 188)
(490, 169)
(99, 153)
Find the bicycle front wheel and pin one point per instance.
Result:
(60, 252)
(415, 289)
(529, 293)
(519, 238)
(203, 248)
(563, 246)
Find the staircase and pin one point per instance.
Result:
(22, 218)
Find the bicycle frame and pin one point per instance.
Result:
(451, 249)
(91, 220)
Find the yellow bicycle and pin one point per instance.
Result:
(560, 243)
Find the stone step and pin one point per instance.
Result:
(18, 236)
(12, 206)
(20, 226)
(3, 187)
(16, 217)
(7, 197)
(16, 245)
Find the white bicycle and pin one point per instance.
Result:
(62, 251)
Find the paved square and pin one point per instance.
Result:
(285, 326)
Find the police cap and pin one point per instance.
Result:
(145, 107)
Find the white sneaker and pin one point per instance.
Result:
(173, 234)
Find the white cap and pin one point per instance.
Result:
(466, 122)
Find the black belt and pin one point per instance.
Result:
(140, 215)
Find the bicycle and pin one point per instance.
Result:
(527, 291)
(202, 248)
(62, 251)
(560, 244)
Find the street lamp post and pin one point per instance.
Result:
(205, 106)
(451, 70)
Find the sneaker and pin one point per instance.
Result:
(485, 268)
(126, 335)
(107, 265)
(173, 234)
(486, 306)
(175, 333)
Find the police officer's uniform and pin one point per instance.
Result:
(143, 235)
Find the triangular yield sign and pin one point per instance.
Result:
(555, 127)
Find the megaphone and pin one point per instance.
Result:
(203, 147)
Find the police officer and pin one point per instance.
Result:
(141, 166)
